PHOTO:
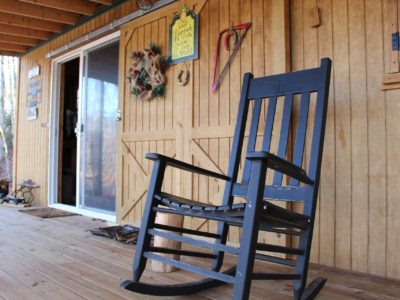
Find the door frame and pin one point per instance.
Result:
(54, 128)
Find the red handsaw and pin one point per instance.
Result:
(231, 31)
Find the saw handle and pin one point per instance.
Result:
(229, 34)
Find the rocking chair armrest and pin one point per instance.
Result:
(185, 166)
(278, 164)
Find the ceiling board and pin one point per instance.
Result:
(12, 47)
(19, 31)
(26, 23)
(76, 6)
(13, 39)
(8, 53)
(32, 23)
(105, 2)
(40, 12)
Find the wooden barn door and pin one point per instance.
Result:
(190, 122)
(157, 125)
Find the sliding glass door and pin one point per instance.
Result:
(97, 128)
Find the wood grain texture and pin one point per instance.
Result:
(42, 264)
(328, 175)
(393, 209)
(146, 127)
(342, 135)
(392, 27)
(377, 143)
(309, 59)
(360, 165)
(359, 126)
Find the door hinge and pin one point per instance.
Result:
(395, 41)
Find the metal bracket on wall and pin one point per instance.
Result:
(395, 41)
(108, 28)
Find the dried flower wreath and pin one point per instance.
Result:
(147, 74)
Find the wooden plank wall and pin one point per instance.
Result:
(359, 210)
(264, 51)
(32, 137)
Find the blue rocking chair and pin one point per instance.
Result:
(257, 213)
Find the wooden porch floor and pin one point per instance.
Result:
(57, 259)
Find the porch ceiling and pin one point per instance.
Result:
(26, 23)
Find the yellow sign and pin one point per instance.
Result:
(183, 37)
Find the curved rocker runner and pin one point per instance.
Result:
(176, 289)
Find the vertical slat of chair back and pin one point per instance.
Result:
(237, 144)
(319, 121)
(314, 169)
(251, 144)
(269, 124)
(284, 134)
(299, 142)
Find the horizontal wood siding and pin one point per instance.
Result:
(359, 211)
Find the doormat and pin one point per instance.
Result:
(47, 212)
(126, 233)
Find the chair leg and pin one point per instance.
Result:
(222, 231)
(298, 289)
(217, 262)
(148, 220)
(142, 245)
(244, 270)
(302, 264)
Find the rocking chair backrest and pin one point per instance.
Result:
(273, 89)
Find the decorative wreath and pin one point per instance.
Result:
(147, 75)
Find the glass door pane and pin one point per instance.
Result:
(98, 129)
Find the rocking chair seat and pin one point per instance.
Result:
(272, 216)
(179, 202)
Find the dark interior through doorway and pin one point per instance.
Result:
(67, 137)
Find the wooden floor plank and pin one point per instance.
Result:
(53, 266)
(42, 285)
(12, 289)
(89, 266)
(79, 265)
(57, 259)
